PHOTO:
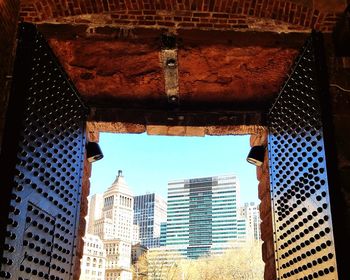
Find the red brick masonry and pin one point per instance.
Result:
(207, 14)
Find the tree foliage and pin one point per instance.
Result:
(242, 263)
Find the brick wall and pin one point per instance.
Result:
(215, 14)
(9, 10)
(265, 208)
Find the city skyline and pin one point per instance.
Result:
(200, 218)
(150, 162)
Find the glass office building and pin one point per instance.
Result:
(162, 241)
(202, 215)
(150, 211)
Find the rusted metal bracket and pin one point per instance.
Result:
(168, 59)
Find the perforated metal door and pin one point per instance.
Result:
(302, 218)
(45, 191)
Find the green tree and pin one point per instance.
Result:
(237, 263)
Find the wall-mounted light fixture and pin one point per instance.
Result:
(93, 151)
(256, 155)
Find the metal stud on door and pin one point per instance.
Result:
(303, 231)
(45, 192)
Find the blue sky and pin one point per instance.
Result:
(149, 162)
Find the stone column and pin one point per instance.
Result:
(85, 190)
(265, 208)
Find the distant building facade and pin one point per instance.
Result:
(250, 211)
(163, 227)
(95, 203)
(150, 210)
(117, 212)
(93, 262)
(118, 259)
(242, 232)
(137, 250)
(135, 234)
(115, 228)
(202, 215)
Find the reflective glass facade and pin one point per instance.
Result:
(150, 211)
(162, 241)
(202, 215)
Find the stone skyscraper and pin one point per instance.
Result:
(115, 228)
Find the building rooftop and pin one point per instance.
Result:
(119, 185)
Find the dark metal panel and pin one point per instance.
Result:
(302, 220)
(45, 191)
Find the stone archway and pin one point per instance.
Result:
(65, 20)
(258, 136)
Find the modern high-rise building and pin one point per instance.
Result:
(250, 211)
(242, 232)
(163, 227)
(202, 215)
(150, 210)
(115, 228)
(93, 262)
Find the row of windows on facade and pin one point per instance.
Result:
(112, 275)
(124, 201)
(93, 245)
(94, 252)
(93, 272)
(94, 264)
(114, 248)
